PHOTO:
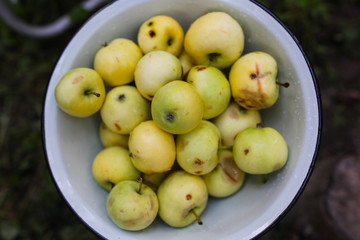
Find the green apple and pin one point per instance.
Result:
(80, 92)
(161, 32)
(226, 179)
(215, 39)
(152, 149)
(132, 205)
(113, 165)
(177, 107)
(109, 138)
(154, 70)
(235, 119)
(213, 88)
(197, 150)
(124, 108)
(182, 198)
(186, 62)
(116, 61)
(253, 81)
(260, 150)
(154, 180)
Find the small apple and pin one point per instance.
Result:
(253, 81)
(260, 150)
(226, 179)
(109, 138)
(161, 32)
(80, 92)
(112, 165)
(124, 108)
(116, 61)
(186, 62)
(235, 119)
(182, 198)
(215, 39)
(132, 205)
(154, 70)
(177, 107)
(197, 150)
(152, 150)
(213, 88)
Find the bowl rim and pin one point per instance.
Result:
(316, 148)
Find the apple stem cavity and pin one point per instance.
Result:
(170, 117)
(140, 180)
(88, 92)
(197, 217)
(213, 56)
(285, 85)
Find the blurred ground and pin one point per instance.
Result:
(329, 206)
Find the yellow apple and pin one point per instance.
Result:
(109, 138)
(161, 32)
(215, 39)
(116, 61)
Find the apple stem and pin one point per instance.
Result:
(87, 92)
(140, 180)
(197, 217)
(225, 147)
(285, 85)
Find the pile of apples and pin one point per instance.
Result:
(180, 118)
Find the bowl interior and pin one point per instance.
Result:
(72, 143)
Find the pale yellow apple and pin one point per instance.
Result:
(110, 138)
(186, 62)
(113, 165)
(152, 150)
(154, 70)
(235, 119)
(215, 39)
(253, 81)
(161, 32)
(116, 61)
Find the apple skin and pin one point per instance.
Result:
(253, 80)
(177, 107)
(213, 88)
(233, 120)
(129, 209)
(154, 70)
(113, 165)
(152, 149)
(186, 62)
(180, 194)
(80, 92)
(226, 179)
(214, 39)
(260, 150)
(124, 108)
(109, 138)
(116, 61)
(161, 32)
(197, 150)
(154, 180)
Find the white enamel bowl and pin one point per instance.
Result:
(71, 143)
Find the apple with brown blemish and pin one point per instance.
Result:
(260, 150)
(182, 199)
(132, 205)
(116, 61)
(253, 81)
(213, 88)
(80, 92)
(113, 165)
(152, 149)
(215, 39)
(161, 32)
(177, 107)
(110, 138)
(124, 108)
(226, 179)
(235, 119)
(197, 150)
(154, 70)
